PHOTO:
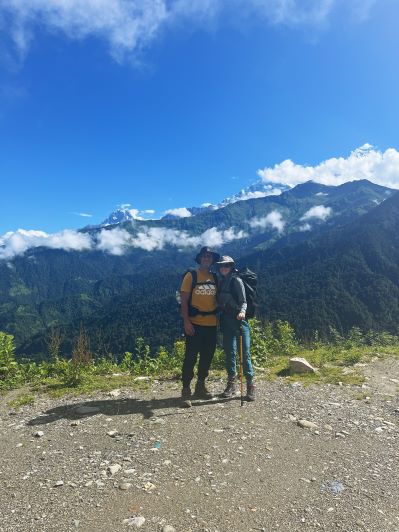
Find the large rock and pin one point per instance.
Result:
(300, 365)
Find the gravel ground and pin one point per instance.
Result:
(139, 460)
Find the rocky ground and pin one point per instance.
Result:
(132, 460)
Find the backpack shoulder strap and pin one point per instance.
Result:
(193, 272)
(215, 278)
(194, 278)
(233, 285)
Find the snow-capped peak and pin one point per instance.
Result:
(123, 214)
(260, 189)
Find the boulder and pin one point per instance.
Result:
(300, 365)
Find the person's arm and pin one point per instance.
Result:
(188, 326)
(241, 298)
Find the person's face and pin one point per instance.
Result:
(225, 270)
(206, 260)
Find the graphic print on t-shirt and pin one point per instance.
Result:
(208, 288)
(203, 296)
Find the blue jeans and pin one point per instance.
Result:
(230, 328)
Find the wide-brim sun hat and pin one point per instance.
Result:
(204, 250)
(225, 260)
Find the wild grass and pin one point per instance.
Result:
(272, 345)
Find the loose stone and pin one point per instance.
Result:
(113, 469)
(305, 424)
(135, 522)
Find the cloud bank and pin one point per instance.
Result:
(273, 219)
(319, 211)
(129, 26)
(180, 212)
(245, 195)
(15, 243)
(365, 162)
(114, 241)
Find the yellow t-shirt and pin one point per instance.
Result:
(203, 297)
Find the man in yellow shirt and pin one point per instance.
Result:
(198, 305)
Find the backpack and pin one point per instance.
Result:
(192, 311)
(250, 282)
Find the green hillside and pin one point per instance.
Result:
(119, 298)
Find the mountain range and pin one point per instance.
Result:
(258, 189)
(304, 244)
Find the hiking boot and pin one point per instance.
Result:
(186, 392)
(186, 396)
(230, 388)
(201, 391)
(251, 391)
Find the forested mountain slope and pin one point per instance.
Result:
(121, 297)
(348, 277)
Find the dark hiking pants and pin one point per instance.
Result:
(203, 342)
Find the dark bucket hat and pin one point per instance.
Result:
(205, 249)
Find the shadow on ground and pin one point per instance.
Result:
(117, 407)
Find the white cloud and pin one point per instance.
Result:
(365, 162)
(259, 194)
(213, 237)
(83, 214)
(180, 212)
(151, 238)
(17, 242)
(114, 241)
(319, 211)
(273, 219)
(128, 26)
(305, 227)
(135, 214)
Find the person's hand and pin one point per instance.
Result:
(189, 328)
(241, 316)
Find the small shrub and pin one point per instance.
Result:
(53, 340)
(261, 342)
(105, 366)
(8, 365)
(285, 338)
(127, 362)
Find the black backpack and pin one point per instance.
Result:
(192, 311)
(250, 282)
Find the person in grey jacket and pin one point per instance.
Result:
(233, 305)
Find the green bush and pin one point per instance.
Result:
(286, 343)
(262, 342)
(271, 345)
(9, 374)
(105, 366)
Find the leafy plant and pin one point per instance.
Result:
(8, 364)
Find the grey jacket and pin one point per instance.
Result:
(228, 303)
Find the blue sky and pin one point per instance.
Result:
(185, 109)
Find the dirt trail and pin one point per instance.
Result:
(214, 467)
